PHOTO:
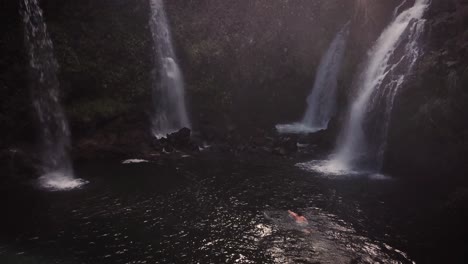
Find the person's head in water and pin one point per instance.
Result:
(298, 217)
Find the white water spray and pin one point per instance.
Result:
(390, 60)
(169, 95)
(322, 99)
(55, 135)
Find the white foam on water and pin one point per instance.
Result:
(328, 167)
(379, 176)
(204, 147)
(58, 181)
(134, 161)
(334, 168)
(297, 128)
(160, 135)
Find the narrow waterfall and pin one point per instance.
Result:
(168, 87)
(57, 171)
(322, 99)
(363, 140)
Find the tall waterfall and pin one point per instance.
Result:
(363, 140)
(169, 95)
(57, 171)
(322, 99)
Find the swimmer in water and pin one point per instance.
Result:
(298, 218)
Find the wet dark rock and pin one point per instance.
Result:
(168, 148)
(180, 140)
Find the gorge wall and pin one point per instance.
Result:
(429, 132)
(248, 65)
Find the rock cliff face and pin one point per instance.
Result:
(247, 65)
(429, 134)
(15, 103)
(103, 50)
(255, 60)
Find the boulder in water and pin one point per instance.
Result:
(180, 140)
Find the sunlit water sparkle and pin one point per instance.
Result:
(219, 213)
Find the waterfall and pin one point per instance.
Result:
(322, 99)
(57, 171)
(168, 92)
(363, 140)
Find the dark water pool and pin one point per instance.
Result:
(227, 210)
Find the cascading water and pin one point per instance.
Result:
(390, 60)
(322, 100)
(169, 95)
(57, 171)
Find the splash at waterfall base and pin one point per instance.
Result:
(60, 181)
(54, 133)
(334, 168)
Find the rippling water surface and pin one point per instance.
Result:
(204, 211)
